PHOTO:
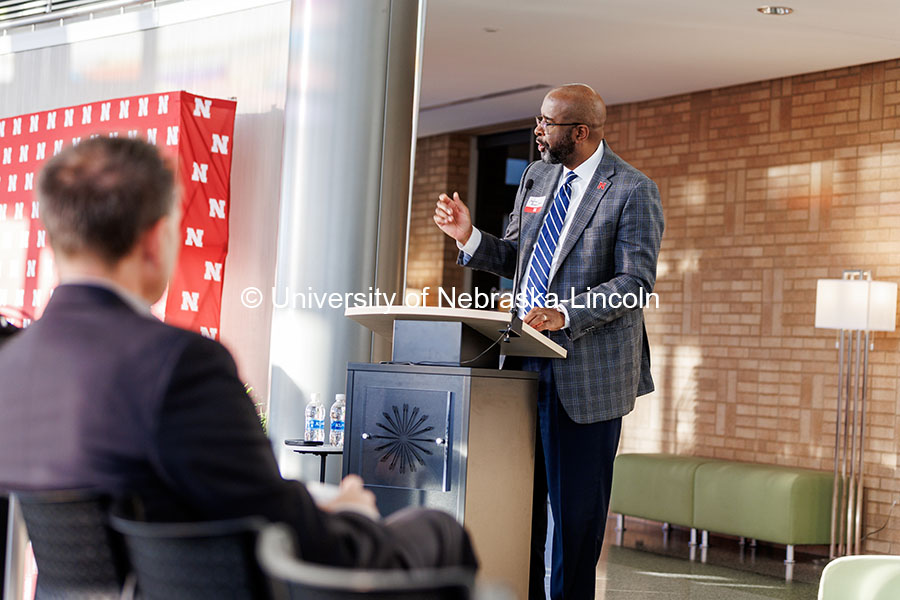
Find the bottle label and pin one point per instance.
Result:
(315, 424)
(337, 425)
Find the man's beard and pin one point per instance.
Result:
(560, 153)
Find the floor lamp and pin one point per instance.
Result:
(856, 306)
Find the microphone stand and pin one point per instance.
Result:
(514, 329)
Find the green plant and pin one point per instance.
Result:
(260, 409)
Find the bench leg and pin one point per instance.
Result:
(790, 555)
(620, 522)
(704, 539)
(693, 541)
(743, 540)
(753, 543)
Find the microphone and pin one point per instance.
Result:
(515, 324)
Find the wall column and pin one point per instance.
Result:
(349, 117)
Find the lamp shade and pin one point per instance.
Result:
(856, 304)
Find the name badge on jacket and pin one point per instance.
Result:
(535, 204)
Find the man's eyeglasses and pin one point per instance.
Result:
(543, 123)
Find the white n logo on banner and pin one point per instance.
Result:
(194, 237)
(199, 173)
(201, 108)
(213, 271)
(219, 144)
(216, 208)
(190, 301)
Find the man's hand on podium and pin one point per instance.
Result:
(452, 216)
(545, 319)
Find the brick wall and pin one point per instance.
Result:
(766, 188)
(442, 166)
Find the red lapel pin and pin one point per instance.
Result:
(601, 185)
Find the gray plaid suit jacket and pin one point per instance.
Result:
(611, 248)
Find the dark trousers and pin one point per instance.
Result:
(574, 464)
(430, 538)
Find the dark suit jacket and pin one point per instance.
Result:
(95, 395)
(611, 248)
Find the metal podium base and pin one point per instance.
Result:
(452, 438)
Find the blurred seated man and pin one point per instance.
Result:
(100, 394)
(6, 332)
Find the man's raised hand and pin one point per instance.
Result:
(452, 216)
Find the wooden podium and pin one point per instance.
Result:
(436, 428)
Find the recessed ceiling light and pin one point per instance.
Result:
(775, 10)
(491, 29)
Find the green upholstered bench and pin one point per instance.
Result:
(784, 505)
(658, 487)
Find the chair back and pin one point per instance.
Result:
(206, 559)
(870, 577)
(292, 578)
(77, 554)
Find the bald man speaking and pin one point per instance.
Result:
(586, 229)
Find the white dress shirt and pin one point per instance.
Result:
(584, 172)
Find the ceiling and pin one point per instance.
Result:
(630, 50)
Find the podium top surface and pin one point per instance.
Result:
(489, 323)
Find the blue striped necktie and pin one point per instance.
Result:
(548, 239)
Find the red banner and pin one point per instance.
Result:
(195, 131)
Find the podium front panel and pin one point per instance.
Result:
(389, 448)
(404, 439)
(481, 470)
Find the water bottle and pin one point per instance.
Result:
(315, 419)
(338, 410)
